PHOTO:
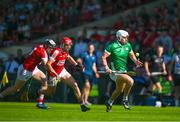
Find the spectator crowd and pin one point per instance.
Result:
(22, 20)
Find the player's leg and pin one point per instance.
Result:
(150, 87)
(41, 77)
(158, 87)
(120, 83)
(22, 76)
(129, 83)
(86, 91)
(24, 95)
(52, 84)
(13, 89)
(118, 90)
(176, 89)
(177, 95)
(159, 94)
(70, 81)
(50, 91)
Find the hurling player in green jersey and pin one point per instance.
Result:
(119, 51)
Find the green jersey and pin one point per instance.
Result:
(118, 55)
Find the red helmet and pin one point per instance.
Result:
(66, 40)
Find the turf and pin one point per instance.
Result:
(13, 111)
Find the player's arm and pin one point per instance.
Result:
(71, 60)
(50, 68)
(164, 68)
(77, 66)
(95, 70)
(134, 59)
(104, 61)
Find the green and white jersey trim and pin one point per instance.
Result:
(107, 52)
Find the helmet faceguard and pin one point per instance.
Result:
(122, 34)
(50, 43)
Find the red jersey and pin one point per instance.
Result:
(59, 59)
(37, 55)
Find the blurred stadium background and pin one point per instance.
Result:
(24, 23)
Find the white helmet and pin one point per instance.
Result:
(121, 33)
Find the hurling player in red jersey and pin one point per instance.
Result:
(29, 69)
(57, 71)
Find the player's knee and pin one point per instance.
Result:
(87, 85)
(130, 82)
(43, 80)
(43, 77)
(44, 87)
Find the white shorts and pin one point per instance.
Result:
(52, 81)
(24, 74)
(113, 76)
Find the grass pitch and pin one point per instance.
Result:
(13, 111)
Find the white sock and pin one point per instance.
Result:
(125, 98)
(110, 101)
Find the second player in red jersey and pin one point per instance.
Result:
(57, 71)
